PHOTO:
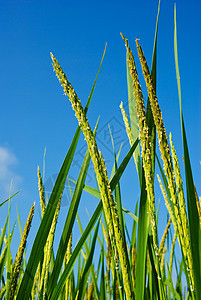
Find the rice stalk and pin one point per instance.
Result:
(108, 257)
(101, 173)
(37, 278)
(144, 135)
(104, 230)
(89, 295)
(172, 251)
(162, 136)
(133, 265)
(19, 256)
(67, 288)
(162, 262)
(165, 153)
(3, 254)
(127, 126)
(167, 203)
(162, 243)
(41, 192)
(182, 207)
(108, 260)
(47, 255)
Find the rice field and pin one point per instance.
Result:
(128, 266)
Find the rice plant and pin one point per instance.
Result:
(130, 265)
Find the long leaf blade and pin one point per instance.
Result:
(194, 224)
(69, 222)
(88, 263)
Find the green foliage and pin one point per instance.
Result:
(109, 262)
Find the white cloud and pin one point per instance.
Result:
(7, 175)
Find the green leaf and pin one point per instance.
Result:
(194, 224)
(88, 263)
(69, 222)
(9, 198)
(103, 282)
(134, 229)
(75, 253)
(4, 231)
(170, 285)
(8, 258)
(92, 267)
(142, 235)
(3, 260)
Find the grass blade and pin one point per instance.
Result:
(74, 256)
(69, 222)
(88, 263)
(92, 267)
(103, 283)
(142, 235)
(4, 231)
(9, 258)
(2, 203)
(194, 224)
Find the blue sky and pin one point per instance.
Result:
(34, 112)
